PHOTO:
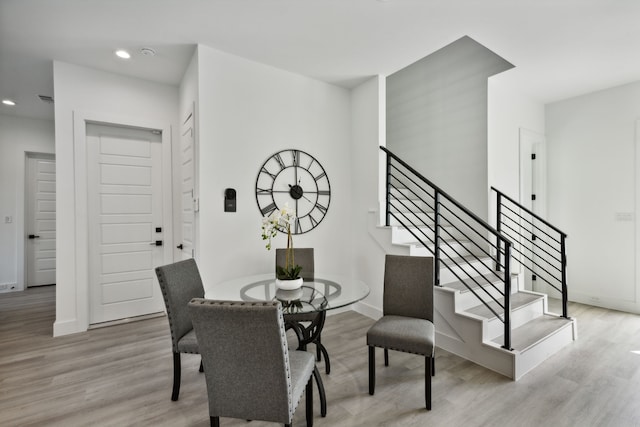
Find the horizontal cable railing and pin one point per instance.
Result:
(464, 246)
(539, 246)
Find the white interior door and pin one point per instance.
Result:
(41, 220)
(125, 219)
(187, 150)
(532, 195)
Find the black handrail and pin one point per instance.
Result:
(475, 260)
(540, 259)
(539, 218)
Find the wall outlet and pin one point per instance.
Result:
(8, 219)
(4, 286)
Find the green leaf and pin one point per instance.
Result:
(288, 273)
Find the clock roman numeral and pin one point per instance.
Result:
(266, 211)
(319, 177)
(296, 158)
(314, 222)
(324, 192)
(321, 208)
(278, 159)
(265, 190)
(297, 225)
(264, 170)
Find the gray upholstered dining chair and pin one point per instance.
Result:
(407, 321)
(304, 258)
(180, 282)
(249, 371)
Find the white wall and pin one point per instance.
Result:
(82, 91)
(247, 112)
(17, 137)
(592, 144)
(371, 242)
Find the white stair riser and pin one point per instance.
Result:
(494, 328)
(473, 268)
(403, 235)
(454, 248)
(532, 357)
(466, 299)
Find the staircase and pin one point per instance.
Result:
(482, 310)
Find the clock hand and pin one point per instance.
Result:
(301, 194)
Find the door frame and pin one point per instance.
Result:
(80, 120)
(21, 215)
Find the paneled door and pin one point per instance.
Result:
(124, 170)
(41, 220)
(187, 169)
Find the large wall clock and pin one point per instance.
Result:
(297, 178)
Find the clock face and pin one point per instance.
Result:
(297, 178)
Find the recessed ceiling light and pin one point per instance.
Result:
(10, 102)
(121, 53)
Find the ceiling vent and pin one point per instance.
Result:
(45, 98)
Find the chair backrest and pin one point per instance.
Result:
(245, 357)
(180, 282)
(408, 286)
(302, 257)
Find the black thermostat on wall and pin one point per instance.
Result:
(229, 200)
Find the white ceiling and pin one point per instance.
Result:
(561, 48)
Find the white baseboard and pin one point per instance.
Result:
(9, 287)
(367, 310)
(66, 327)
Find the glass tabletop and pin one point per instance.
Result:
(324, 292)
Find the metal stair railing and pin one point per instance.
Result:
(540, 246)
(462, 244)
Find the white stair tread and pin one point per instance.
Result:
(518, 299)
(534, 331)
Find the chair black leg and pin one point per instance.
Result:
(309, 400)
(323, 396)
(386, 357)
(427, 382)
(433, 365)
(372, 370)
(201, 367)
(176, 376)
(215, 421)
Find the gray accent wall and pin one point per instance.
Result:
(437, 118)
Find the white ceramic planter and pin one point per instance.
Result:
(289, 285)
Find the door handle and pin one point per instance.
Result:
(33, 236)
(156, 243)
(180, 246)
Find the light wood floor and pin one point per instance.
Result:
(121, 376)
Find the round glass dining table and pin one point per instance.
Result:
(322, 293)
